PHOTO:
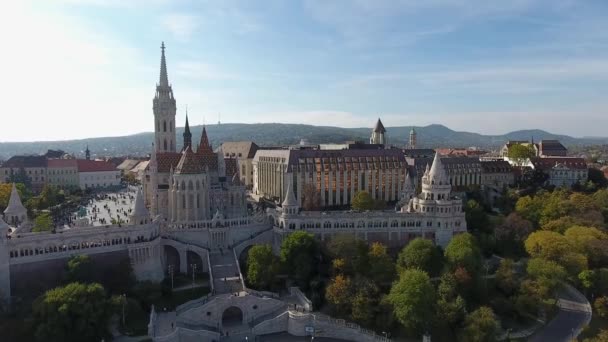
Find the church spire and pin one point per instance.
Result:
(187, 134)
(87, 153)
(164, 78)
(204, 146)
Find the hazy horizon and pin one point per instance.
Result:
(78, 69)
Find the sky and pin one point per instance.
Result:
(87, 68)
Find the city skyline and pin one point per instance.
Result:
(87, 68)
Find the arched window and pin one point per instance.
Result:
(170, 126)
(165, 144)
(164, 126)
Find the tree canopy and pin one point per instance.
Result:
(480, 325)
(413, 298)
(520, 153)
(75, 312)
(422, 254)
(43, 223)
(363, 201)
(299, 254)
(462, 251)
(262, 266)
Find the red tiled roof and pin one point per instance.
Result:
(189, 163)
(58, 163)
(94, 166)
(165, 160)
(550, 162)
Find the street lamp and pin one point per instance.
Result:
(124, 301)
(193, 266)
(170, 269)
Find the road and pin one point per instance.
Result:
(574, 313)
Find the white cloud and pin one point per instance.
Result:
(182, 26)
(62, 80)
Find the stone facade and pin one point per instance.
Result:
(335, 175)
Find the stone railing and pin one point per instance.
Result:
(207, 224)
(306, 303)
(238, 266)
(237, 244)
(340, 323)
(152, 322)
(192, 304)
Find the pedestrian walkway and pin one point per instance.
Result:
(226, 278)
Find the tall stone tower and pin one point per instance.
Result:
(412, 138)
(379, 134)
(164, 110)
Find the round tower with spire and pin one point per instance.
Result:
(164, 108)
(379, 134)
(412, 141)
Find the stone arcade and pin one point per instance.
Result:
(193, 211)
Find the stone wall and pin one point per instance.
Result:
(32, 279)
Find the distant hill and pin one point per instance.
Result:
(272, 134)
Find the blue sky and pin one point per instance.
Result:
(84, 68)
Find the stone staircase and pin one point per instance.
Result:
(226, 277)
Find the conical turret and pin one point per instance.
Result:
(15, 212)
(204, 147)
(140, 214)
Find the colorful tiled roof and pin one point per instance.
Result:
(94, 166)
(61, 163)
(545, 163)
(189, 163)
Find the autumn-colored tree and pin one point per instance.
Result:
(311, 199)
(363, 201)
(601, 306)
(381, 267)
(506, 277)
(480, 325)
(547, 244)
(339, 293)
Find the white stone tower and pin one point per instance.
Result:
(15, 213)
(379, 134)
(164, 110)
(5, 274)
(412, 138)
(140, 214)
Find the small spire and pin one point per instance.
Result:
(164, 78)
(187, 135)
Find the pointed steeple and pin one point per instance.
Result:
(87, 153)
(187, 134)
(164, 78)
(204, 146)
(140, 214)
(15, 212)
(437, 172)
(290, 198)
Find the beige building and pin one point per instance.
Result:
(243, 152)
(562, 171)
(63, 173)
(497, 174)
(35, 168)
(336, 175)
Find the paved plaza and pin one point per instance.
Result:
(113, 205)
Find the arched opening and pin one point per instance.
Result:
(233, 316)
(171, 259)
(194, 259)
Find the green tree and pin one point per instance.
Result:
(75, 312)
(365, 303)
(521, 153)
(547, 244)
(413, 299)
(299, 255)
(451, 307)
(381, 267)
(477, 219)
(601, 306)
(262, 266)
(511, 233)
(547, 271)
(422, 254)
(351, 250)
(506, 277)
(80, 269)
(363, 201)
(602, 336)
(339, 293)
(480, 325)
(462, 251)
(529, 208)
(43, 223)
